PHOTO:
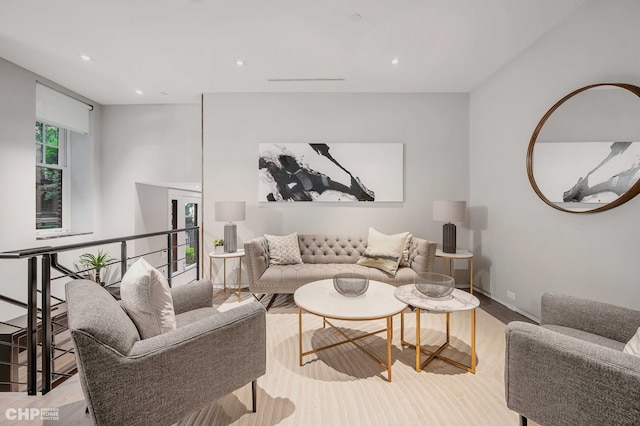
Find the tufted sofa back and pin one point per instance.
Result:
(331, 249)
(323, 256)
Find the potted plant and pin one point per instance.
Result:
(216, 244)
(96, 262)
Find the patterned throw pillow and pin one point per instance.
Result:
(146, 298)
(283, 250)
(384, 251)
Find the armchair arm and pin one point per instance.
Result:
(602, 319)
(189, 367)
(422, 255)
(556, 379)
(210, 326)
(256, 258)
(192, 296)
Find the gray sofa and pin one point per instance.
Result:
(324, 256)
(571, 370)
(159, 380)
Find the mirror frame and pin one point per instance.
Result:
(632, 192)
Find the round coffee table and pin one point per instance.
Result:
(459, 301)
(321, 299)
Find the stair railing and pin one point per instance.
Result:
(40, 326)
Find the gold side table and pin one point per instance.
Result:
(459, 301)
(451, 257)
(225, 256)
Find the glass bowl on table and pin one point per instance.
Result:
(434, 285)
(350, 284)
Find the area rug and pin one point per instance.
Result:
(342, 386)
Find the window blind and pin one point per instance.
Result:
(61, 110)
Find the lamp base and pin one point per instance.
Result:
(448, 238)
(230, 238)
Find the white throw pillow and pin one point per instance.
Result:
(384, 251)
(146, 297)
(633, 346)
(283, 249)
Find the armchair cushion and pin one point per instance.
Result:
(147, 299)
(194, 315)
(587, 337)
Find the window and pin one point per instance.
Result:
(52, 177)
(64, 165)
(190, 219)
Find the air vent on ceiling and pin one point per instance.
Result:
(278, 80)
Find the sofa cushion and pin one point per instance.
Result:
(288, 278)
(384, 251)
(633, 346)
(146, 297)
(283, 249)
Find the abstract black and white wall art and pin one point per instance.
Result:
(331, 172)
(586, 172)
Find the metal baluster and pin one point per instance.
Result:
(46, 324)
(169, 259)
(32, 326)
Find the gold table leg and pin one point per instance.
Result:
(388, 329)
(300, 333)
(471, 275)
(436, 354)
(224, 277)
(239, 277)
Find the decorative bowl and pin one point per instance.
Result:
(435, 286)
(350, 285)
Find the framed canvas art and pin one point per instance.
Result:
(331, 172)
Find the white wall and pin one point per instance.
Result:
(520, 244)
(17, 181)
(432, 127)
(146, 144)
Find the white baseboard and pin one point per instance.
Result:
(508, 305)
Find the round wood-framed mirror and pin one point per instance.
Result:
(584, 154)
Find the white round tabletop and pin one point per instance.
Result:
(459, 300)
(238, 253)
(320, 298)
(459, 254)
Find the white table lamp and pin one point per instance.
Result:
(449, 211)
(230, 211)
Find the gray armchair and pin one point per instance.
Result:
(159, 380)
(571, 370)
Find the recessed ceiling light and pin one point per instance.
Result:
(395, 61)
(139, 92)
(240, 63)
(86, 58)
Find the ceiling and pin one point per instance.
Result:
(174, 50)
